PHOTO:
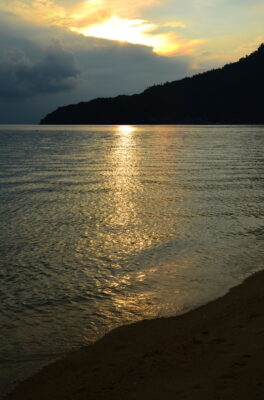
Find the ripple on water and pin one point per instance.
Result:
(101, 226)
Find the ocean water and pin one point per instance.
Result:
(106, 225)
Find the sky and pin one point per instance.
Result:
(58, 52)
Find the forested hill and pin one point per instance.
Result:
(230, 95)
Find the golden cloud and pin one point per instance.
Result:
(113, 20)
(37, 11)
(137, 31)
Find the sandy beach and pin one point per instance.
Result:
(214, 352)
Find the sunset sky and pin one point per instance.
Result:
(56, 52)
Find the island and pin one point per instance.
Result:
(229, 95)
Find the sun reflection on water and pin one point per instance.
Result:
(125, 189)
(134, 214)
(126, 129)
(127, 216)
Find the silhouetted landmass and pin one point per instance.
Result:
(229, 95)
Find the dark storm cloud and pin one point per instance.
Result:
(73, 68)
(110, 68)
(22, 78)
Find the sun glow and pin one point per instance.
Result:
(120, 29)
(138, 31)
(126, 129)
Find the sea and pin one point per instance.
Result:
(103, 226)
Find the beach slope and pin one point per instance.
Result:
(214, 352)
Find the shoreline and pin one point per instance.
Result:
(213, 352)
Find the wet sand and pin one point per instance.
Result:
(214, 352)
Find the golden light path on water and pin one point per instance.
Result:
(127, 228)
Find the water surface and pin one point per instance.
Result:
(105, 225)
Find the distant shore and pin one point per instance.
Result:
(213, 352)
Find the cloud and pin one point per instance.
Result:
(21, 78)
(113, 20)
(35, 11)
(121, 21)
(62, 11)
(36, 78)
(107, 68)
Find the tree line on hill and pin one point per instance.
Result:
(229, 95)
